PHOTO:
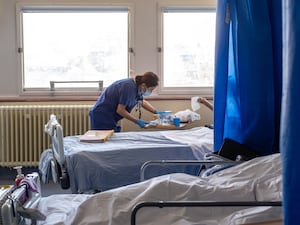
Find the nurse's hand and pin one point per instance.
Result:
(142, 123)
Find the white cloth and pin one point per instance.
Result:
(199, 138)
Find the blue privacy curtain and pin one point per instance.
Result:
(290, 123)
(248, 73)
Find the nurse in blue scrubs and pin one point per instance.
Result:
(118, 99)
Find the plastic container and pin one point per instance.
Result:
(165, 117)
(176, 121)
(20, 175)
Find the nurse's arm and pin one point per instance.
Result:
(121, 110)
(146, 105)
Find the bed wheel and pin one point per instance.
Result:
(64, 181)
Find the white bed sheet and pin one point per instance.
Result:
(117, 162)
(255, 180)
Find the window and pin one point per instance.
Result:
(63, 43)
(187, 52)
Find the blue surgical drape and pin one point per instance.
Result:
(248, 73)
(290, 121)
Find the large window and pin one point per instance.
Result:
(187, 52)
(73, 44)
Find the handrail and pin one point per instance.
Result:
(52, 83)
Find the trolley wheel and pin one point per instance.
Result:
(64, 181)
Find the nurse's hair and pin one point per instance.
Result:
(149, 78)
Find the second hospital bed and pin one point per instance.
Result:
(258, 181)
(117, 162)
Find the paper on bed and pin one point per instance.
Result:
(96, 136)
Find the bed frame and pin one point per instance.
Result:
(58, 163)
(174, 204)
(230, 154)
(211, 160)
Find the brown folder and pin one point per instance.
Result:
(96, 136)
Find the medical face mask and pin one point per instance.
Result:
(147, 93)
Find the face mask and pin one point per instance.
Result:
(146, 93)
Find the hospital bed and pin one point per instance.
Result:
(93, 167)
(251, 195)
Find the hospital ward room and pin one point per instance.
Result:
(201, 127)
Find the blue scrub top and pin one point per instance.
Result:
(103, 114)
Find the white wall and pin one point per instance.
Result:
(8, 53)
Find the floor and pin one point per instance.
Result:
(7, 177)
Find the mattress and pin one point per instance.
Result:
(117, 162)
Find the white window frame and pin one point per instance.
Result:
(61, 5)
(188, 4)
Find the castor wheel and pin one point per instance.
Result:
(64, 181)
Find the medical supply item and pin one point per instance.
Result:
(165, 117)
(176, 121)
(187, 116)
(20, 175)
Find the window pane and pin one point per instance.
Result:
(74, 46)
(189, 39)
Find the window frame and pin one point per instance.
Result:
(179, 5)
(21, 6)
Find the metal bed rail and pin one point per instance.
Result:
(162, 204)
(185, 162)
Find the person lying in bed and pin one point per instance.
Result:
(258, 179)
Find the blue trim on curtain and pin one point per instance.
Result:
(247, 97)
(290, 121)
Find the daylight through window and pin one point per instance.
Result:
(68, 45)
(188, 47)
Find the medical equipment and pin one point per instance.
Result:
(256, 181)
(57, 164)
(208, 166)
(20, 175)
(18, 202)
(117, 162)
(165, 117)
(231, 153)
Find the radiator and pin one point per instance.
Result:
(22, 137)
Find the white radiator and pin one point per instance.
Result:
(22, 137)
